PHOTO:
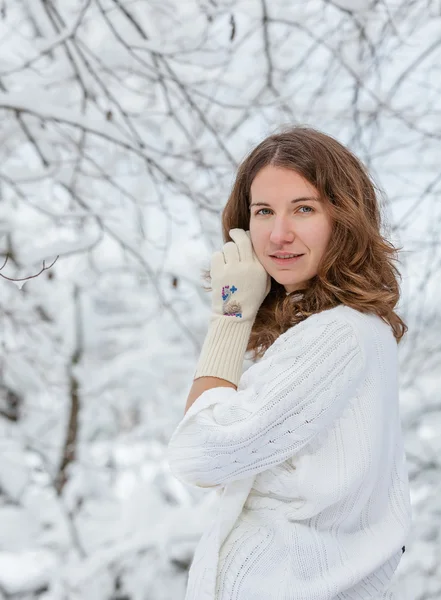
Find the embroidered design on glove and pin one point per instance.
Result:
(230, 307)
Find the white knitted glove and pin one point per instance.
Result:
(239, 285)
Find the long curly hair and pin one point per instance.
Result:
(357, 268)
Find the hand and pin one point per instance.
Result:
(239, 285)
(238, 280)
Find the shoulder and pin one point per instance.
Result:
(343, 325)
(368, 329)
(343, 314)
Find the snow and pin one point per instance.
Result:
(22, 572)
(118, 154)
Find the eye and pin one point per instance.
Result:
(259, 211)
(309, 210)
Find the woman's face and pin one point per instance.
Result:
(287, 216)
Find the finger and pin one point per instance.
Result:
(231, 252)
(252, 247)
(243, 242)
(217, 262)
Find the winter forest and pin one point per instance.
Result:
(121, 124)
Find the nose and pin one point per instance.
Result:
(282, 232)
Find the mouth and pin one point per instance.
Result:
(286, 261)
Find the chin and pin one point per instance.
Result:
(287, 281)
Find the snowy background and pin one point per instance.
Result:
(121, 125)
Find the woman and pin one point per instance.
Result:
(305, 448)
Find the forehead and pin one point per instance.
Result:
(274, 183)
(284, 190)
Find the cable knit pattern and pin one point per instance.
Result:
(308, 460)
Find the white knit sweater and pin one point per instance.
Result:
(307, 458)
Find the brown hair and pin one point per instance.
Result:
(357, 268)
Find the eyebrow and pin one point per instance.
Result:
(302, 199)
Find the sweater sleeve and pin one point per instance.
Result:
(293, 394)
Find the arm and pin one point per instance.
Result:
(239, 284)
(293, 397)
(202, 384)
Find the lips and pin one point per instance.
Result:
(286, 261)
(292, 255)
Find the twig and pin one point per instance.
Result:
(30, 276)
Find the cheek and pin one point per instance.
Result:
(326, 235)
(318, 235)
